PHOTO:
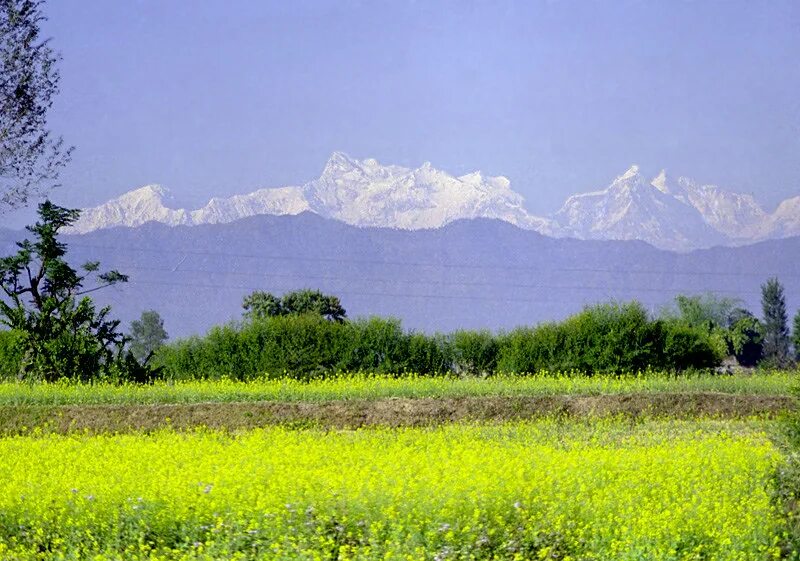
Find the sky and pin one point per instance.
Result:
(217, 98)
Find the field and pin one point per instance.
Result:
(542, 490)
(360, 387)
(190, 471)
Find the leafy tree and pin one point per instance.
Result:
(796, 336)
(61, 334)
(703, 310)
(261, 304)
(147, 335)
(30, 159)
(745, 337)
(313, 302)
(776, 331)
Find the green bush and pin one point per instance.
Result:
(10, 354)
(303, 347)
(600, 339)
(607, 338)
(475, 352)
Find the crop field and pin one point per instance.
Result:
(361, 387)
(547, 489)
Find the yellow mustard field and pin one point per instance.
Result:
(538, 490)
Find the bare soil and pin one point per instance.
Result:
(394, 412)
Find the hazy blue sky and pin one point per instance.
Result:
(215, 98)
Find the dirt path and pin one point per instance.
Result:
(385, 412)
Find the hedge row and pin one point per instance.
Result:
(601, 339)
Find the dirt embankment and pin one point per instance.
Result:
(384, 412)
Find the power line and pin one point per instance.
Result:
(276, 257)
(431, 282)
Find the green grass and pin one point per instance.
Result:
(610, 489)
(359, 387)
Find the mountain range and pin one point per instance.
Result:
(673, 213)
(475, 273)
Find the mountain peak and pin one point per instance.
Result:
(151, 191)
(339, 162)
(631, 172)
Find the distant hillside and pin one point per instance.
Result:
(470, 273)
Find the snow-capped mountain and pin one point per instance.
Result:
(667, 212)
(634, 208)
(358, 192)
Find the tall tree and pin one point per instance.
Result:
(147, 335)
(776, 330)
(796, 336)
(30, 158)
(45, 301)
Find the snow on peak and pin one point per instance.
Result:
(670, 213)
(631, 172)
(359, 192)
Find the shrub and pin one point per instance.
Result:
(475, 352)
(10, 354)
(608, 338)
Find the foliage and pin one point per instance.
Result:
(745, 337)
(544, 490)
(605, 338)
(260, 305)
(303, 346)
(147, 335)
(10, 354)
(60, 332)
(475, 352)
(30, 159)
(775, 328)
(796, 336)
(608, 338)
(704, 310)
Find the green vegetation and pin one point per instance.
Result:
(147, 335)
(776, 329)
(605, 338)
(363, 387)
(542, 490)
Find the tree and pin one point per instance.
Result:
(30, 159)
(796, 336)
(261, 304)
(704, 310)
(61, 334)
(313, 302)
(745, 337)
(147, 335)
(776, 331)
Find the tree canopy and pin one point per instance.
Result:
(261, 304)
(30, 157)
(59, 331)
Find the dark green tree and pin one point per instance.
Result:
(61, 334)
(796, 336)
(313, 302)
(261, 304)
(147, 334)
(745, 337)
(30, 159)
(776, 330)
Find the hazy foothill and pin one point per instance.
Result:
(390, 361)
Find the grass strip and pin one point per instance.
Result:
(363, 387)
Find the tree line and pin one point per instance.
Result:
(55, 331)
